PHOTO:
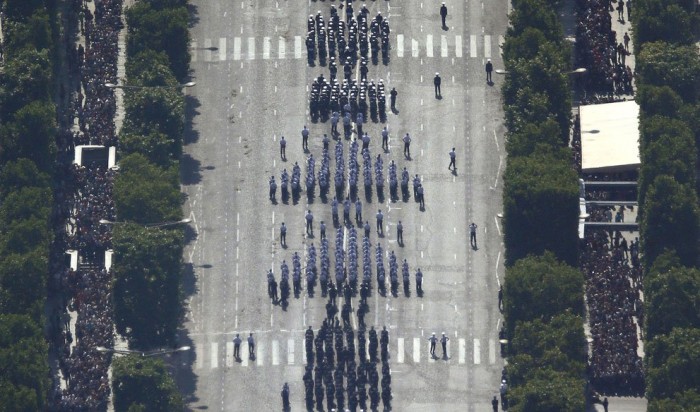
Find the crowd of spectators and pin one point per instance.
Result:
(612, 293)
(84, 368)
(92, 202)
(84, 197)
(599, 51)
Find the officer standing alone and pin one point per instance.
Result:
(489, 69)
(443, 14)
(437, 81)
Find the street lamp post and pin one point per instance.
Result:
(575, 71)
(147, 354)
(126, 86)
(159, 224)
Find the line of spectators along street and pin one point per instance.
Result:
(612, 292)
(599, 51)
(83, 198)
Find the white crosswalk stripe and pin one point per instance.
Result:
(281, 49)
(487, 46)
(199, 356)
(399, 45)
(214, 355)
(229, 354)
(251, 48)
(222, 49)
(297, 47)
(266, 48)
(246, 48)
(207, 50)
(414, 48)
(275, 352)
(271, 352)
(477, 352)
(290, 352)
(244, 354)
(260, 353)
(236, 48)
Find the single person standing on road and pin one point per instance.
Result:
(419, 281)
(237, 347)
(472, 234)
(358, 210)
(326, 141)
(437, 81)
(626, 39)
(305, 138)
(283, 234)
(393, 95)
(359, 120)
(407, 146)
(323, 230)
(309, 223)
(453, 155)
(283, 148)
(443, 14)
(335, 117)
(399, 233)
(433, 341)
(273, 188)
(380, 221)
(251, 345)
(494, 404)
(489, 69)
(421, 196)
(285, 397)
(347, 125)
(443, 341)
(385, 138)
(629, 9)
(367, 228)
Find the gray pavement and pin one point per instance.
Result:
(251, 88)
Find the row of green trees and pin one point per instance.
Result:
(668, 82)
(148, 260)
(543, 289)
(27, 155)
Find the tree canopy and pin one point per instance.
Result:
(541, 287)
(143, 384)
(673, 363)
(145, 193)
(147, 278)
(540, 207)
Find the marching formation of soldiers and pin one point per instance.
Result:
(346, 376)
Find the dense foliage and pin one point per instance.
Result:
(543, 291)
(143, 384)
(27, 157)
(668, 68)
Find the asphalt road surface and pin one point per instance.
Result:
(249, 62)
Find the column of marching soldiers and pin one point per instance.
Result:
(363, 36)
(333, 364)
